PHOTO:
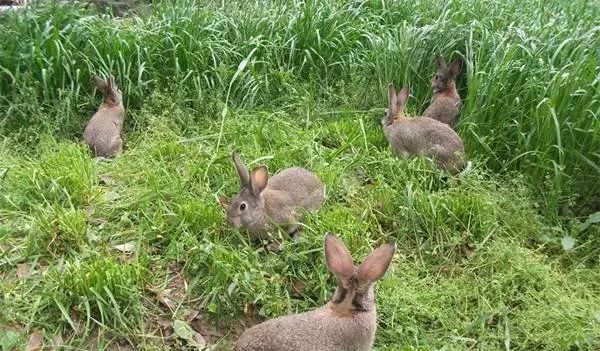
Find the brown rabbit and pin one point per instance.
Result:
(445, 102)
(264, 203)
(103, 131)
(421, 136)
(347, 322)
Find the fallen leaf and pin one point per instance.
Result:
(127, 248)
(35, 341)
(23, 270)
(111, 196)
(297, 286)
(57, 342)
(163, 297)
(594, 218)
(199, 340)
(184, 331)
(106, 180)
(568, 243)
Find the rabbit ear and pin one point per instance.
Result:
(375, 266)
(392, 95)
(241, 169)
(260, 178)
(111, 84)
(403, 96)
(441, 63)
(224, 202)
(455, 67)
(100, 83)
(338, 259)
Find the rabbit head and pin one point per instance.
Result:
(355, 284)
(246, 209)
(444, 77)
(396, 103)
(112, 94)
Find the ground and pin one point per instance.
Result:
(135, 253)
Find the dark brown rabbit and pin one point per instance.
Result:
(264, 203)
(347, 322)
(103, 131)
(421, 136)
(445, 103)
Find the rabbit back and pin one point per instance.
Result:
(423, 136)
(444, 108)
(299, 186)
(103, 131)
(318, 330)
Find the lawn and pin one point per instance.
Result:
(136, 254)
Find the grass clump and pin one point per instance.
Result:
(99, 291)
(112, 253)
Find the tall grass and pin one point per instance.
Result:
(530, 90)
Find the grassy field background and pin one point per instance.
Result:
(112, 255)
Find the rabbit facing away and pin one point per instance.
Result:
(265, 203)
(421, 136)
(347, 322)
(445, 102)
(103, 131)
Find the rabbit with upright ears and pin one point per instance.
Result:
(347, 322)
(421, 136)
(103, 131)
(445, 103)
(265, 203)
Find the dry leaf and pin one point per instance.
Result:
(23, 270)
(184, 331)
(57, 342)
(297, 286)
(111, 196)
(106, 180)
(163, 297)
(35, 341)
(127, 248)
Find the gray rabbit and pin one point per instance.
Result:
(264, 203)
(445, 102)
(347, 322)
(103, 131)
(421, 136)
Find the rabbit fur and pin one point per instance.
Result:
(421, 136)
(347, 322)
(103, 131)
(265, 203)
(445, 102)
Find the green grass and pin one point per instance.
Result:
(482, 261)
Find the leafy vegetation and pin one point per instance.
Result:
(99, 255)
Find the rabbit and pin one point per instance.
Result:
(445, 102)
(421, 136)
(264, 203)
(103, 131)
(347, 322)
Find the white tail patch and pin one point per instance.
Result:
(467, 169)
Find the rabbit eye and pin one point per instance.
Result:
(437, 76)
(243, 206)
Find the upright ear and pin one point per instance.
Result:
(375, 266)
(403, 96)
(260, 178)
(241, 169)
(455, 67)
(338, 259)
(111, 84)
(391, 94)
(101, 84)
(441, 63)
(224, 202)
